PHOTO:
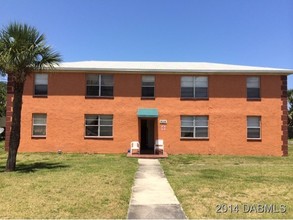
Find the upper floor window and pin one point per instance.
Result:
(148, 87)
(39, 125)
(194, 126)
(41, 84)
(98, 125)
(253, 127)
(253, 87)
(194, 87)
(99, 85)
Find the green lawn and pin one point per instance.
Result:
(204, 184)
(49, 185)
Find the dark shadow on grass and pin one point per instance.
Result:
(37, 166)
(2, 168)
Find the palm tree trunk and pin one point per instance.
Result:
(15, 126)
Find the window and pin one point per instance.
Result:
(148, 87)
(99, 85)
(253, 127)
(253, 87)
(41, 84)
(39, 125)
(98, 125)
(194, 87)
(194, 126)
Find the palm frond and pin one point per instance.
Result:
(23, 50)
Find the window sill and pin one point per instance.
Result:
(194, 139)
(99, 138)
(39, 137)
(40, 96)
(99, 97)
(253, 99)
(253, 139)
(147, 98)
(194, 99)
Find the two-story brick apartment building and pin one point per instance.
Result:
(197, 108)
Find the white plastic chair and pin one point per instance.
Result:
(159, 146)
(134, 145)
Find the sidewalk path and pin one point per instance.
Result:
(152, 196)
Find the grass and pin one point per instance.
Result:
(49, 185)
(204, 184)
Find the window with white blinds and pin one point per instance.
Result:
(194, 126)
(99, 85)
(98, 125)
(39, 125)
(253, 127)
(148, 87)
(253, 87)
(41, 84)
(194, 87)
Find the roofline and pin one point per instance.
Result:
(167, 71)
(146, 67)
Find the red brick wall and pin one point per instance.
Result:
(227, 108)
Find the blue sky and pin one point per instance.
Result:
(245, 32)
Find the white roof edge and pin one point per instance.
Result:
(165, 67)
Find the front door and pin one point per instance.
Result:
(147, 136)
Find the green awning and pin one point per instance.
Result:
(147, 113)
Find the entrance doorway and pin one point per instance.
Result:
(147, 136)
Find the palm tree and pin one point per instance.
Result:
(23, 50)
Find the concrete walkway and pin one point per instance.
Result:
(152, 196)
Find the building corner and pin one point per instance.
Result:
(9, 109)
(284, 117)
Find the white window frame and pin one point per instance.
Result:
(194, 87)
(35, 83)
(142, 86)
(98, 125)
(35, 124)
(254, 127)
(194, 126)
(100, 85)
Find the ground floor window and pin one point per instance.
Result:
(98, 125)
(39, 125)
(253, 127)
(194, 126)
